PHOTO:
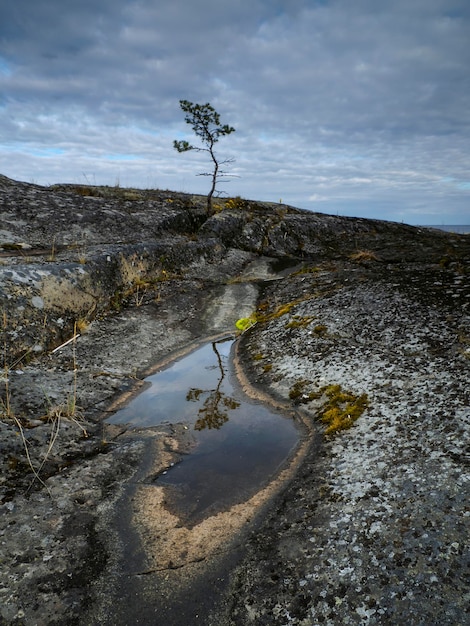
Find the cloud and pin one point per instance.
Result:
(365, 105)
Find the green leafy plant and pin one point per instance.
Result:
(244, 323)
(205, 122)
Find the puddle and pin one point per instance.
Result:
(239, 443)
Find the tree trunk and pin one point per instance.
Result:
(214, 182)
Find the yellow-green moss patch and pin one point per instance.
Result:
(340, 409)
(299, 321)
(260, 315)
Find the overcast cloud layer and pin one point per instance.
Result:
(346, 107)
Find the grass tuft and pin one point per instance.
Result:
(363, 256)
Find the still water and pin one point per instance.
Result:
(239, 443)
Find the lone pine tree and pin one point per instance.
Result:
(205, 122)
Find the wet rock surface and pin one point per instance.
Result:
(371, 529)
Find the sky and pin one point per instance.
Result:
(345, 107)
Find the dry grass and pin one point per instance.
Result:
(54, 415)
(364, 256)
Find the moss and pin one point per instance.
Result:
(116, 300)
(299, 321)
(340, 409)
(297, 392)
(463, 338)
(307, 270)
(268, 367)
(236, 203)
(261, 316)
(320, 329)
(282, 309)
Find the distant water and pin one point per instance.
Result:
(461, 229)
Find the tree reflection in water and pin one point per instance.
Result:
(214, 410)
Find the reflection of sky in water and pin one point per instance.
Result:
(231, 460)
(165, 400)
(231, 463)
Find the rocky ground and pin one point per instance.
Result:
(374, 529)
(371, 525)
